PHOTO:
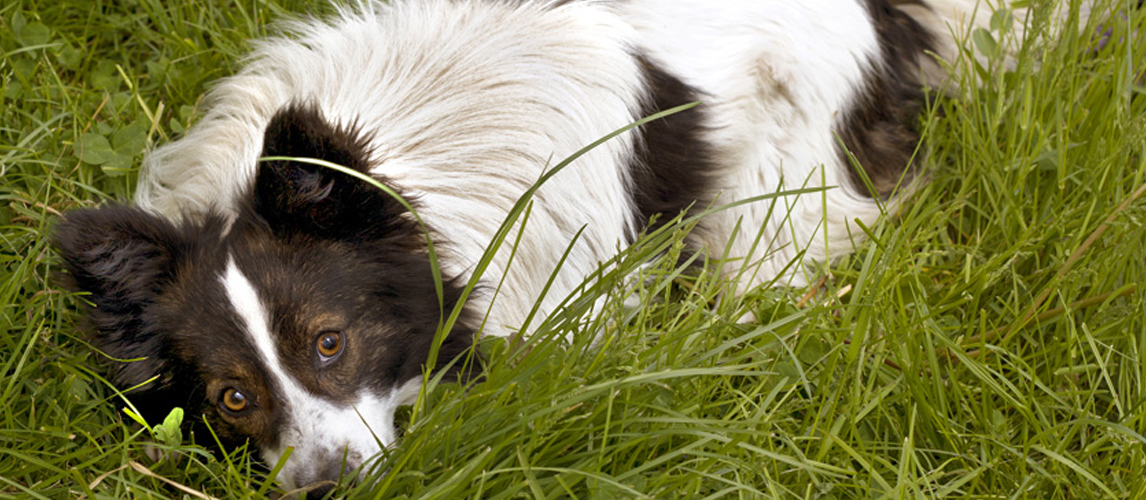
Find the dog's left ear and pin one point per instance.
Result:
(292, 195)
(125, 258)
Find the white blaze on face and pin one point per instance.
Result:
(324, 435)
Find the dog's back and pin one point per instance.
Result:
(467, 103)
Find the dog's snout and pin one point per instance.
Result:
(319, 480)
(320, 490)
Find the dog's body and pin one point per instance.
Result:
(294, 306)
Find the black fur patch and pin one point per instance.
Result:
(293, 196)
(674, 165)
(879, 129)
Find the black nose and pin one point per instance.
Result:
(320, 491)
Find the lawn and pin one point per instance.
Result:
(985, 342)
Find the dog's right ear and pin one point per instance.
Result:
(295, 196)
(123, 257)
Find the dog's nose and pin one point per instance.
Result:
(322, 483)
(311, 474)
(321, 491)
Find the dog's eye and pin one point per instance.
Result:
(329, 344)
(234, 401)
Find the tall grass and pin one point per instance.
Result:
(987, 342)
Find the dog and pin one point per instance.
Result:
(294, 306)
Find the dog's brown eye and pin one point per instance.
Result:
(234, 401)
(329, 344)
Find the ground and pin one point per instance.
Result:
(987, 342)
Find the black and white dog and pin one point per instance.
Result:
(294, 306)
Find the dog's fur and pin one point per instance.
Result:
(232, 274)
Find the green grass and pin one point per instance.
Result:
(987, 343)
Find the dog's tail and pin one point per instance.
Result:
(954, 23)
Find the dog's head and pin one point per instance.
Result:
(304, 323)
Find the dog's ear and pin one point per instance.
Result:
(294, 195)
(123, 258)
